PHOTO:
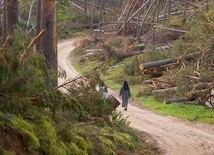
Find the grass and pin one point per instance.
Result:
(186, 112)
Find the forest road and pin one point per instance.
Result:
(174, 136)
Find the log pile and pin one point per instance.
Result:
(168, 86)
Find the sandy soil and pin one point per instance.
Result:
(174, 136)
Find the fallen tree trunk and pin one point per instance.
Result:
(155, 64)
(148, 82)
(165, 91)
(93, 50)
(116, 66)
(133, 15)
(153, 72)
(200, 86)
(115, 103)
(122, 55)
(159, 63)
(177, 100)
(77, 6)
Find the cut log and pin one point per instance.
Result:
(176, 100)
(153, 72)
(93, 50)
(192, 56)
(122, 55)
(155, 64)
(164, 47)
(141, 47)
(116, 66)
(115, 103)
(165, 91)
(171, 29)
(193, 77)
(148, 82)
(200, 86)
(160, 63)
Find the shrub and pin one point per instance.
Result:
(184, 85)
(175, 21)
(151, 54)
(207, 22)
(132, 68)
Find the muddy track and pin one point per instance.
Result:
(174, 136)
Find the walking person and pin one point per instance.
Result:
(103, 90)
(125, 93)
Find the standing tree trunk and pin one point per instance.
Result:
(12, 15)
(169, 9)
(184, 14)
(10, 19)
(38, 23)
(48, 40)
(1, 24)
(158, 9)
(101, 15)
(85, 6)
(138, 20)
(4, 25)
(92, 17)
(55, 31)
(131, 7)
(146, 14)
(207, 1)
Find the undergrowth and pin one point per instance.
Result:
(34, 118)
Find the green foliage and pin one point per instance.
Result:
(151, 54)
(23, 126)
(49, 140)
(96, 105)
(5, 152)
(119, 120)
(18, 81)
(179, 47)
(175, 21)
(81, 144)
(132, 68)
(184, 85)
(106, 140)
(26, 78)
(20, 40)
(74, 150)
(206, 75)
(35, 70)
(207, 24)
(27, 129)
(119, 42)
(71, 19)
(112, 54)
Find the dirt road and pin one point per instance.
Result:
(174, 136)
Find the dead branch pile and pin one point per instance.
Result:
(182, 83)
